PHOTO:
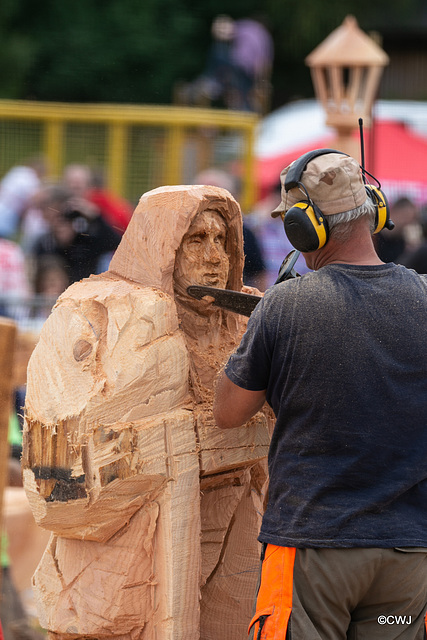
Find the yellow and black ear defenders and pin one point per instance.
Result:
(305, 225)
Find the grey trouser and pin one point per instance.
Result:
(342, 594)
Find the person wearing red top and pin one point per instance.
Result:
(84, 183)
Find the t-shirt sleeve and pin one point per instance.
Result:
(249, 366)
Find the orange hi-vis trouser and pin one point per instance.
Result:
(274, 600)
(330, 594)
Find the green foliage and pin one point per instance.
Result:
(16, 50)
(300, 25)
(136, 50)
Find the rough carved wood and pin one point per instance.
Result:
(154, 512)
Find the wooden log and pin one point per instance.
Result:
(85, 469)
(24, 346)
(230, 556)
(27, 541)
(119, 429)
(123, 588)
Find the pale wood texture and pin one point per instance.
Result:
(349, 46)
(230, 552)
(119, 430)
(124, 587)
(27, 540)
(346, 68)
(24, 346)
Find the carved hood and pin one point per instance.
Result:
(147, 251)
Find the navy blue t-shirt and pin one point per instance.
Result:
(342, 353)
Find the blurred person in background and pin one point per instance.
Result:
(78, 234)
(218, 77)
(33, 224)
(238, 66)
(51, 277)
(417, 259)
(14, 281)
(17, 189)
(252, 54)
(272, 238)
(406, 236)
(50, 280)
(88, 184)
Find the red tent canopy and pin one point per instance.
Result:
(268, 169)
(393, 154)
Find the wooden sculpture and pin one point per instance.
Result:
(154, 512)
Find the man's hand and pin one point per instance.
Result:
(233, 406)
(253, 291)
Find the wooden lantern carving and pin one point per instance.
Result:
(346, 70)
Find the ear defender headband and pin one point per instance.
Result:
(305, 225)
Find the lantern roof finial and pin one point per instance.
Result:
(347, 46)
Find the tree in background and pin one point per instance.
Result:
(300, 25)
(135, 52)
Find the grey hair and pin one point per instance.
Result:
(339, 222)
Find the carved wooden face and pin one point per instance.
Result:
(202, 257)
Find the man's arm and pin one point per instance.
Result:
(233, 406)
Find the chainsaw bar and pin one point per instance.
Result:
(241, 303)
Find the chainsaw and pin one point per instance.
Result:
(244, 303)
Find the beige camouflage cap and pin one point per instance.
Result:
(333, 182)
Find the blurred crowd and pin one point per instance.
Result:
(54, 233)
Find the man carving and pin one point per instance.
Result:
(149, 504)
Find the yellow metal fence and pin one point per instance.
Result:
(137, 148)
